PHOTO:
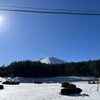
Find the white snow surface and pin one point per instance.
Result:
(51, 60)
(31, 91)
(47, 91)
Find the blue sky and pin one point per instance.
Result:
(31, 36)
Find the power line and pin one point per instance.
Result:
(23, 7)
(50, 11)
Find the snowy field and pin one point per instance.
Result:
(48, 91)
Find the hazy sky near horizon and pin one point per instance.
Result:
(31, 36)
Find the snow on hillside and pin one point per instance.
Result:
(52, 60)
(45, 91)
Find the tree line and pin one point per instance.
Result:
(30, 68)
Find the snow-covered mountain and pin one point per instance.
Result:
(51, 60)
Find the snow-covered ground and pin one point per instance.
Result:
(47, 91)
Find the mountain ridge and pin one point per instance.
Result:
(51, 60)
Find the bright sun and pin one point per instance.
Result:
(4, 24)
(1, 20)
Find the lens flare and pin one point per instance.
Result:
(1, 20)
(4, 24)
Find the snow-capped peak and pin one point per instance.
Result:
(51, 60)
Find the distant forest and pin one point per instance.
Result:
(36, 69)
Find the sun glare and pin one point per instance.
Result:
(1, 20)
(4, 24)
